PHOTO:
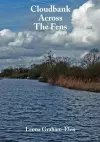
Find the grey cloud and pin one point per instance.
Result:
(96, 2)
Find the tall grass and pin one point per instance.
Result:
(77, 84)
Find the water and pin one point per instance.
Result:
(29, 103)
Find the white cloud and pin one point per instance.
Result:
(86, 21)
(81, 24)
(6, 36)
(58, 38)
(31, 44)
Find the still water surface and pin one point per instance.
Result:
(29, 103)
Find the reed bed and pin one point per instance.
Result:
(77, 84)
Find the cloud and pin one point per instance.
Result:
(56, 38)
(96, 2)
(19, 47)
(26, 45)
(86, 21)
(6, 36)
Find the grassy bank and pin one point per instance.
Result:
(77, 84)
(61, 71)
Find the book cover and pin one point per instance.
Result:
(50, 71)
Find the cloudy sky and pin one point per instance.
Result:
(20, 44)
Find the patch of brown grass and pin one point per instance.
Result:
(77, 84)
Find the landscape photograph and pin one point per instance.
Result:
(50, 71)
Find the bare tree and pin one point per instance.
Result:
(49, 59)
(91, 58)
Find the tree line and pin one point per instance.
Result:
(51, 68)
